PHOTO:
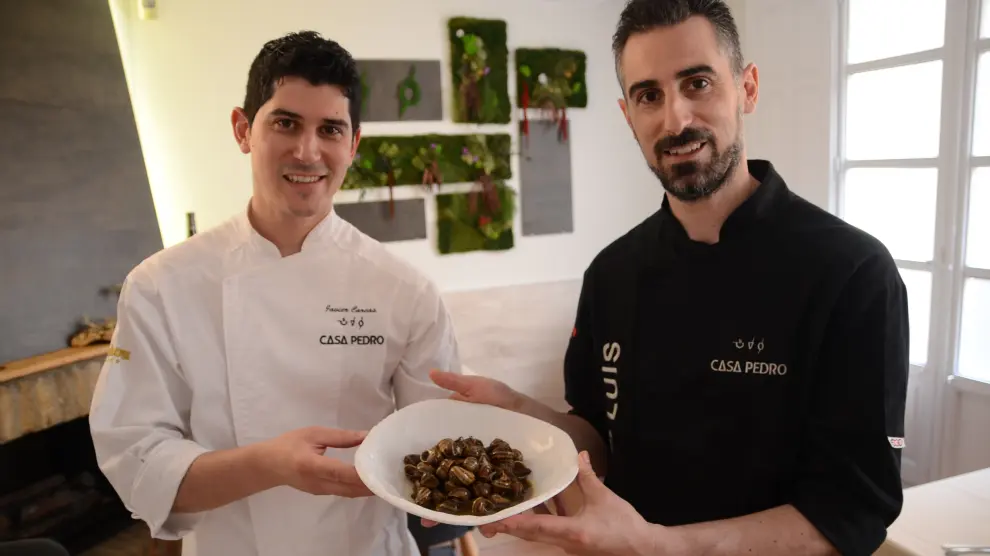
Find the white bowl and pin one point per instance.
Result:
(547, 451)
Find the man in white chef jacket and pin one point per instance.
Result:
(243, 353)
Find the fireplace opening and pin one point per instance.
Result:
(51, 487)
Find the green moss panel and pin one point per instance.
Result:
(479, 58)
(564, 70)
(464, 226)
(459, 158)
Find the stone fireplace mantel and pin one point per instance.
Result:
(39, 392)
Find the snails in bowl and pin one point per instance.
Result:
(464, 477)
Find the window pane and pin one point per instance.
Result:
(869, 198)
(974, 349)
(894, 113)
(985, 25)
(978, 222)
(920, 26)
(919, 289)
(981, 121)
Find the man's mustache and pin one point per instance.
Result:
(686, 137)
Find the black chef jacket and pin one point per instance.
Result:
(769, 368)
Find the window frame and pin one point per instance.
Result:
(969, 50)
(959, 55)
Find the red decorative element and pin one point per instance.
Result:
(562, 130)
(471, 99)
(432, 178)
(554, 114)
(473, 202)
(391, 200)
(488, 193)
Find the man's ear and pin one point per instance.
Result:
(751, 88)
(355, 142)
(625, 111)
(242, 129)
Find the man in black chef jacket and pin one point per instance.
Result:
(739, 362)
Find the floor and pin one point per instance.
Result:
(135, 541)
(132, 542)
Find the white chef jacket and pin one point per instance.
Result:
(222, 342)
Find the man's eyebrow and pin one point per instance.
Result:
(285, 113)
(644, 84)
(289, 114)
(694, 70)
(653, 83)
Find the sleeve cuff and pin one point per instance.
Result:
(851, 528)
(157, 485)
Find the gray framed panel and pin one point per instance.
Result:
(545, 182)
(372, 218)
(381, 80)
(76, 212)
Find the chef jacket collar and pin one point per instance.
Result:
(749, 215)
(320, 235)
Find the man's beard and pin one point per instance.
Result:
(695, 180)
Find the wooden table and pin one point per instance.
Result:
(952, 511)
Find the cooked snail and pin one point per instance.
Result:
(464, 476)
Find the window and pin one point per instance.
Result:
(914, 164)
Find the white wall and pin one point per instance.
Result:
(187, 69)
(793, 44)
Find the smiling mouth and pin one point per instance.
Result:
(685, 150)
(301, 179)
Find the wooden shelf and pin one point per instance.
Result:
(48, 361)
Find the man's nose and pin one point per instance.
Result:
(677, 115)
(307, 148)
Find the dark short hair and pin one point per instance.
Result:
(308, 55)
(640, 16)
